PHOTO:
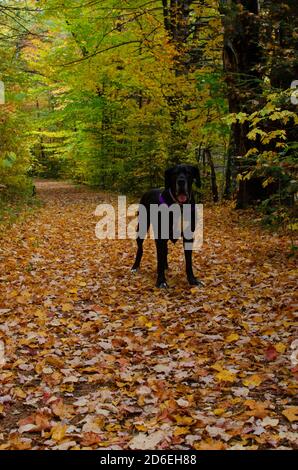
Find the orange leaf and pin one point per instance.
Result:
(291, 413)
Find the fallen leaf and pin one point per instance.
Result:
(90, 438)
(210, 445)
(253, 381)
(232, 337)
(280, 347)
(147, 441)
(291, 413)
(270, 422)
(226, 376)
(271, 353)
(58, 432)
(27, 428)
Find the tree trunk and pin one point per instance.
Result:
(241, 56)
(176, 14)
(214, 188)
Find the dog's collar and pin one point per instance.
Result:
(162, 199)
(172, 196)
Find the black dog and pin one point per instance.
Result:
(178, 190)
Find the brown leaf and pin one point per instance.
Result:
(90, 438)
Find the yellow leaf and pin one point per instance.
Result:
(219, 411)
(179, 431)
(67, 307)
(38, 368)
(73, 290)
(55, 361)
(22, 299)
(291, 413)
(194, 290)
(40, 315)
(113, 427)
(67, 388)
(253, 381)
(226, 376)
(269, 332)
(58, 432)
(245, 326)
(142, 319)
(18, 392)
(184, 420)
(141, 427)
(280, 347)
(121, 384)
(232, 337)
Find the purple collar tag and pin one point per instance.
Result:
(161, 199)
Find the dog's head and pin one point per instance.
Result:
(179, 180)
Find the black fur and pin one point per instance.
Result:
(178, 190)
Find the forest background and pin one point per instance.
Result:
(109, 93)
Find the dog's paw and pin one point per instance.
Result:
(162, 285)
(134, 270)
(193, 281)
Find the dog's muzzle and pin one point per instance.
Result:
(182, 195)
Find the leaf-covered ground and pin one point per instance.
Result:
(95, 357)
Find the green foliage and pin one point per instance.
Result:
(275, 157)
(14, 157)
(111, 93)
(113, 108)
(15, 139)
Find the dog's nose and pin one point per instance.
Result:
(181, 182)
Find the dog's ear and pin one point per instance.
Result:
(168, 174)
(196, 175)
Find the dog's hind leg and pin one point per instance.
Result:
(142, 229)
(193, 281)
(166, 258)
(139, 255)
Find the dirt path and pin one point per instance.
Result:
(96, 357)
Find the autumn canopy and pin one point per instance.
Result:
(98, 98)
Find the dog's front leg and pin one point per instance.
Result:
(193, 281)
(161, 249)
(166, 257)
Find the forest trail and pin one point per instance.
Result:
(96, 357)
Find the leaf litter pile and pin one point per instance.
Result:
(95, 357)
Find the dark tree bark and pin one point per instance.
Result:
(241, 59)
(177, 22)
(214, 188)
(256, 44)
(282, 67)
(281, 33)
